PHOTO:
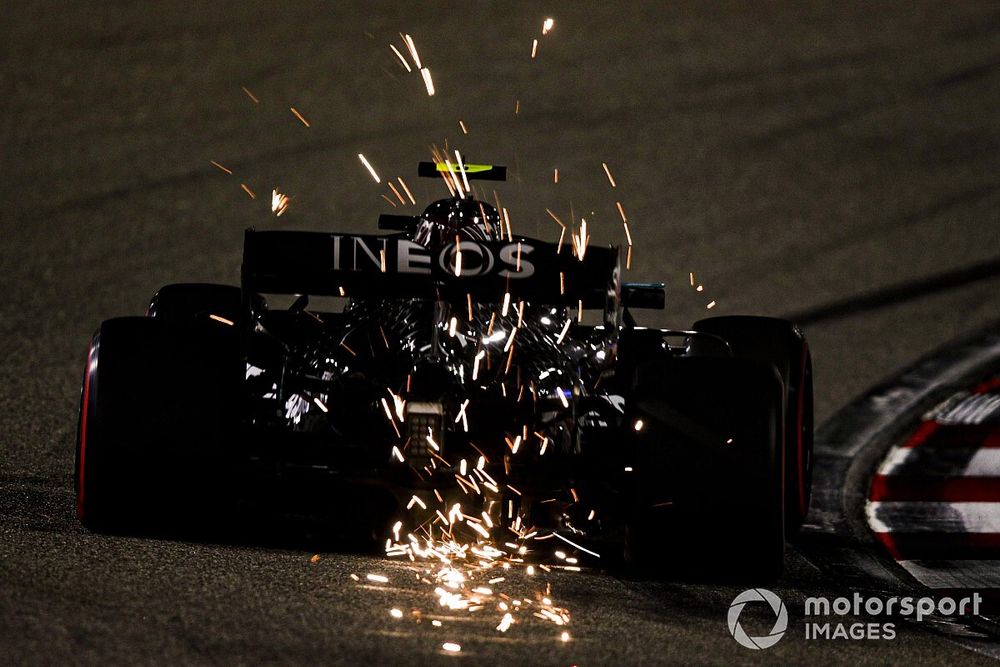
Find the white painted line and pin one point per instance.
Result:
(956, 461)
(933, 517)
(984, 463)
(977, 574)
(895, 459)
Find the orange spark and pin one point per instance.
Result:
(401, 58)
(223, 320)
(406, 189)
(250, 95)
(396, 192)
(608, 172)
(279, 203)
(555, 217)
(368, 166)
(428, 82)
(413, 50)
(216, 164)
(299, 116)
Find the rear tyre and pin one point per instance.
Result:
(781, 343)
(707, 477)
(183, 302)
(158, 402)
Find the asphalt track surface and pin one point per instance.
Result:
(838, 161)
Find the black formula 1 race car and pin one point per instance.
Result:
(459, 367)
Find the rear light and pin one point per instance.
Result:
(424, 429)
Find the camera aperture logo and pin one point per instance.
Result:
(857, 617)
(780, 621)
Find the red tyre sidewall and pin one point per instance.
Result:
(88, 400)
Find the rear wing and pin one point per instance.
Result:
(317, 263)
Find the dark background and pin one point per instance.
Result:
(793, 155)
